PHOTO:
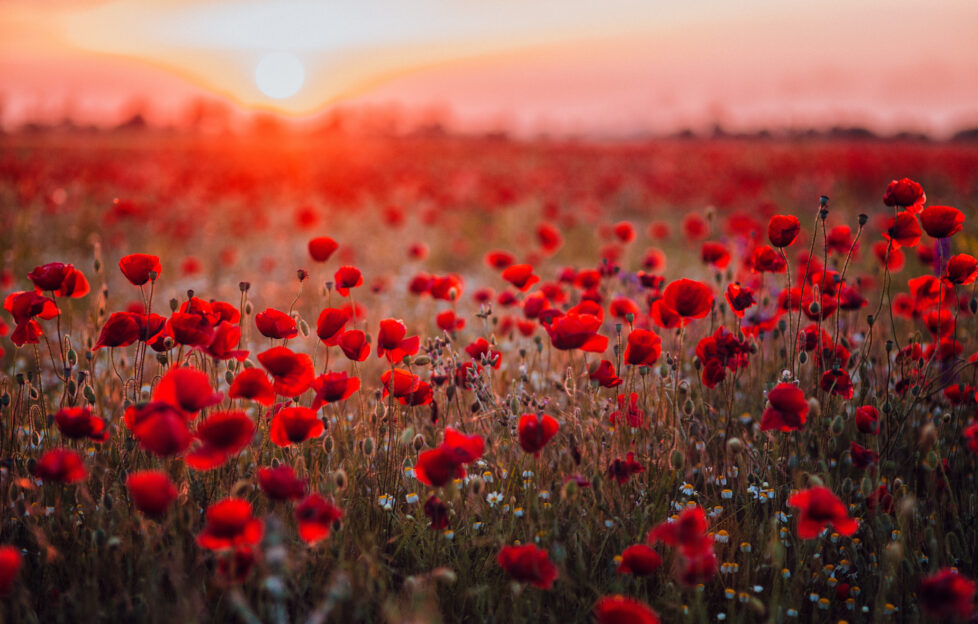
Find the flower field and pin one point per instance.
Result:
(469, 379)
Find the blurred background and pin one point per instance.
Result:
(614, 69)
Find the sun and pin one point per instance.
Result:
(280, 75)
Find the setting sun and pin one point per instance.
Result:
(280, 75)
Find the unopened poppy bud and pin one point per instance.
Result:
(677, 460)
(339, 478)
(866, 487)
(803, 357)
(422, 360)
(174, 304)
(734, 445)
(688, 407)
(863, 219)
(815, 481)
(870, 319)
(569, 491)
(973, 305)
(368, 447)
(72, 387)
(161, 358)
(249, 308)
(418, 442)
(782, 325)
(630, 317)
(304, 328)
(153, 275)
(931, 461)
(328, 444)
(228, 376)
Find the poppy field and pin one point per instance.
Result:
(472, 379)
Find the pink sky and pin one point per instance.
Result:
(619, 67)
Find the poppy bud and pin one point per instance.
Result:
(870, 319)
(422, 360)
(803, 357)
(823, 200)
(161, 358)
(815, 481)
(677, 460)
(72, 356)
(302, 274)
(476, 485)
(244, 286)
(973, 305)
(368, 447)
(328, 444)
(866, 487)
(174, 304)
(847, 486)
(735, 446)
(248, 308)
(823, 214)
(863, 219)
(339, 478)
(688, 407)
(304, 328)
(228, 376)
(931, 461)
(418, 442)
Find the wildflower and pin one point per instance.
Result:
(281, 483)
(941, 221)
(639, 560)
(221, 435)
(151, 491)
(782, 230)
(294, 425)
(386, 502)
(10, 562)
(291, 372)
(79, 422)
(494, 498)
(140, 268)
(316, 516)
(535, 430)
(411, 498)
(622, 469)
(622, 610)
(253, 384)
(819, 507)
(528, 564)
(60, 466)
(322, 247)
(905, 193)
(787, 409)
(230, 524)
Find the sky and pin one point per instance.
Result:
(615, 67)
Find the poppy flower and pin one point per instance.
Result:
(160, 428)
(120, 330)
(446, 320)
(187, 389)
(535, 430)
(24, 307)
(422, 395)
(436, 467)
(763, 259)
(839, 239)
(521, 276)
(971, 437)
(639, 560)
(604, 375)
(782, 230)
(437, 511)
(632, 414)
(49, 276)
(690, 299)
(820, 507)
(222, 435)
(332, 387)
(528, 563)
(481, 351)
(961, 270)
(322, 247)
(695, 227)
(281, 483)
(868, 419)
(446, 287)
(151, 491)
(192, 330)
(903, 230)
(400, 382)
(941, 221)
(837, 382)
(354, 345)
(549, 238)
(463, 448)
(225, 342)
(291, 372)
(880, 499)
(347, 277)
(499, 260)
(905, 193)
(10, 562)
(276, 324)
(862, 457)
(330, 323)
(60, 466)
(947, 594)
(623, 469)
(577, 331)
(664, 316)
(643, 348)
(137, 268)
(740, 298)
(787, 409)
(315, 516)
(392, 343)
(253, 384)
(622, 610)
(230, 524)
(79, 422)
(688, 533)
(294, 425)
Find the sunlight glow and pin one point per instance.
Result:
(280, 75)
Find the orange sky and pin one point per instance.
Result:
(617, 66)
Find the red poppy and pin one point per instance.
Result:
(160, 428)
(499, 260)
(276, 324)
(690, 299)
(905, 193)
(622, 610)
(187, 389)
(654, 259)
(740, 298)
(695, 227)
(482, 352)
(151, 491)
(961, 270)
(528, 564)
(437, 511)
(60, 466)
(79, 422)
(222, 435)
(643, 348)
(787, 409)
(331, 322)
(230, 524)
(632, 414)
(782, 230)
(281, 483)
(400, 382)
(138, 267)
(535, 430)
(862, 457)
(521, 276)
(120, 330)
(332, 387)
(10, 562)
(291, 372)
(639, 560)
(880, 499)
(347, 277)
(903, 230)
(392, 343)
(294, 425)
(839, 239)
(577, 331)
(971, 437)
(447, 287)
(837, 382)
(868, 419)
(354, 345)
(446, 320)
(624, 231)
(24, 307)
(226, 339)
(322, 247)
(664, 316)
(549, 238)
(941, 221)
(253, 384)
(720, 352)
(604, 375)
(63, 280)
(623, 469)
(947, 594)
(819, 507)
(422, 395)
(763, 259)
(437, 466)
(316, 516)
(688, 533)
(192, 330)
